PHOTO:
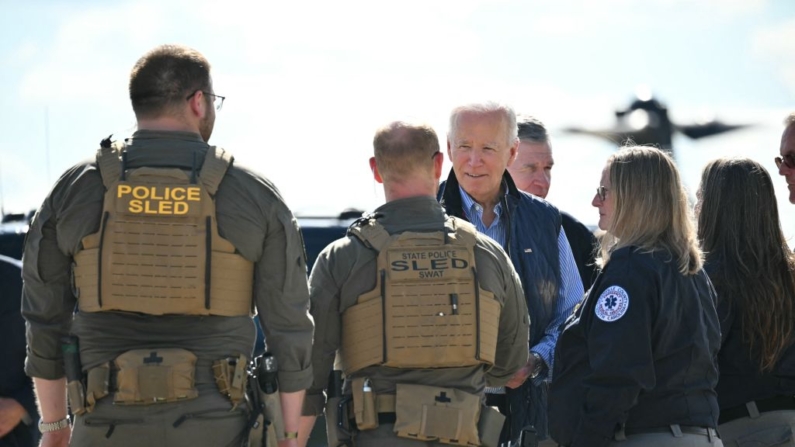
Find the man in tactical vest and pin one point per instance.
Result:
(423, 311)
(481, 143)
(166, 248)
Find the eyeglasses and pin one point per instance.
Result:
(218, 100)
(787, 160)
(602, 193)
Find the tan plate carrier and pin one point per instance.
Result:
(427, 309)
(158, 250)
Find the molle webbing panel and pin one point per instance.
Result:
(427, 309)
(158, 250)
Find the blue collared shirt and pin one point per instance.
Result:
(570, 291)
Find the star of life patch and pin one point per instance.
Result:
(612, 304)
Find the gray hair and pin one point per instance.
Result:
(790, 119)
(483, 108)
(532, 130)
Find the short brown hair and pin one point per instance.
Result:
(401, 149)
(164, 77)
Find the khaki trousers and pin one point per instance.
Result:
(666, 439)
(774, 428)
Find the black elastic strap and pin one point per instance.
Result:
(99, 264)
(193, 177)
(124, 165)
(208, 261)
(383, 311)
(477, 313)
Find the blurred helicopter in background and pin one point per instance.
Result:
(646, 122)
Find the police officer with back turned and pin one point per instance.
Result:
(423, 311)
(166, 247)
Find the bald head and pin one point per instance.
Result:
(406, 159)
(404, 150)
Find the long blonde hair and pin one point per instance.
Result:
(651, 208)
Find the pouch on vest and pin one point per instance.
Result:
(158, 250)
(490, 426)
(152, 376)
(427, 309)
(231, 377)
(364, 403)
(427, 413)
(97, 385)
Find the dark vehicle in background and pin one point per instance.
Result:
(13, 382)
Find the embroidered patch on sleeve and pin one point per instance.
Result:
(613, 304)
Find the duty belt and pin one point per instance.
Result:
(754, 408)
(674, 430)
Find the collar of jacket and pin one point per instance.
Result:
(450, 197)
(147, 134)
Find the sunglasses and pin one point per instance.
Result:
(787, 160)
(602, 193)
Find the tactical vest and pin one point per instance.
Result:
(427, 309)
(158, 250)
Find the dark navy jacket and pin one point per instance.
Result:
(639, 352)
(532, 245)
(741, 380)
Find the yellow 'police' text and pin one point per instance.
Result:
(166, 200)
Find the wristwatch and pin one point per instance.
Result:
(539, 364)
(46, 427)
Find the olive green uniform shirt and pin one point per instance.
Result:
(251, 215)
(346, 269)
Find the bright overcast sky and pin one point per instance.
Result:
(308, 82)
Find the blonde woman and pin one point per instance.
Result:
(635, 365)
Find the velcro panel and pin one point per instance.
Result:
(490, 310)
(422, 330)
(154, 265)
(362, 335)
(232, 283)
(431, 316)
(86, 279)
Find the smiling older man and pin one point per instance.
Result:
(481, 143)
